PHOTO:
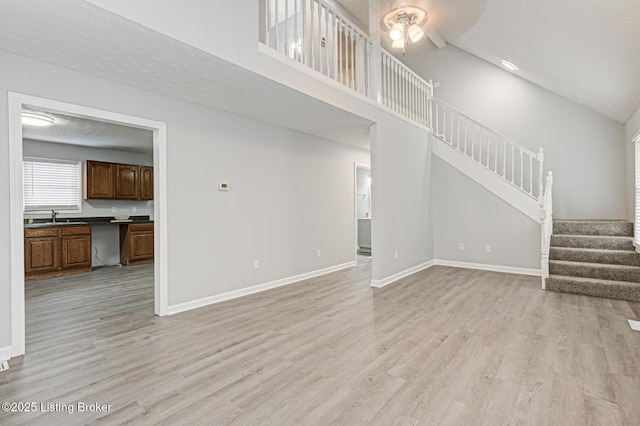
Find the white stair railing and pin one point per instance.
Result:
(404, 91)
(313, 33)
(546, 228)
(510, 161)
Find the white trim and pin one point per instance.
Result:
(483, 176)
(16, 101)
(5, 353)
(485, 267)
(205, 301)
(395, 277)
(454, 264)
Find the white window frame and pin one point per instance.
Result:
(45, 209)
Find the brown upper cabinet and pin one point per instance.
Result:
(146, 183)
(98, 180)
(127, 182)
(113, 181)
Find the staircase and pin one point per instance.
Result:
(594, 258)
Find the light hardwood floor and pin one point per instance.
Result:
(444, 346)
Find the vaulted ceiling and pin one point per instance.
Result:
(585, 50)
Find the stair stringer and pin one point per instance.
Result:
(488, 179)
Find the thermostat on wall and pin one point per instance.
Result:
(224, 186)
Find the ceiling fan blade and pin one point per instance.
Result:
(435, 36)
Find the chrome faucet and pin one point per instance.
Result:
(53, 215)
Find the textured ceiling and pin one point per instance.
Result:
(585, 50)
(77, 35)
(86, 132)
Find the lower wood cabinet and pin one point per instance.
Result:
(57, 251)
(136, 243)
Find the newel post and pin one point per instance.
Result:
(540, 173)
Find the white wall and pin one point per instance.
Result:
(400, 171)
(584, 149)
(631, 130)
(105, 238)
(465, 212)
(291, 193)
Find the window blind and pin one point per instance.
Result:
(51, 185)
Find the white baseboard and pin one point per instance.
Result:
(187, 306)
(5, 353)
(493, 268)
(395, 277)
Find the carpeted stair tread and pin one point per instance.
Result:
(595, 255)
(595, 270)
(593, 241)
(594, 287)
(620, 228)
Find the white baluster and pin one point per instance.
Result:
(521, 170)
(286, 27)
(540, 173)
(277, 25)
(530, 175)
(311, 33)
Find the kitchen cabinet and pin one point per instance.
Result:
(98, 180)
(136, 243)
(127, 182)
(115, 181)
(146, 183)
(57, 251)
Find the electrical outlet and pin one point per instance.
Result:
(318, 253)
(256, 264)
(487, 248)
(113, 209)
(395, 255)
(4, 366)
(134, 210)
(460, 246)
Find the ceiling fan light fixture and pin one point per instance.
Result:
(508, 65)
(396, 32)
(415, 33)
(36, 119)
(398, 44)
(404, 24)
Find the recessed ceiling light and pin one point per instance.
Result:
(508, 65)
(37, 119)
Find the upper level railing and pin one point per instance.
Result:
(313, 33)
(509, 160)
(404, 91)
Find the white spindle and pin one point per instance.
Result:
(286, 27)
(540, 173)
(530, 175)
(521, 170)
(312, 34)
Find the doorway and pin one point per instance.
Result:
(19, 102)
(363, 212)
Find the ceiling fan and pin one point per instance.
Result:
(408, 24)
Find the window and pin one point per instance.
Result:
(52, 185)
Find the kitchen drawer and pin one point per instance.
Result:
(41, 232)
(140, 227)
(76, 230)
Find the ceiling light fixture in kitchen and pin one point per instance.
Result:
(36, 119)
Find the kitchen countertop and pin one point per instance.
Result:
(84, 221)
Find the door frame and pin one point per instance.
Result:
(357, 166)
(161, 284)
